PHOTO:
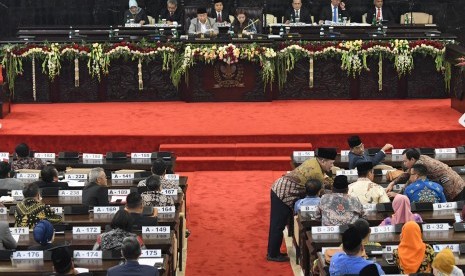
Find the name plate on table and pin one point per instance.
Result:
(44, 155)
(118, 176)
(325, 229)
(92, 161)
(76, 176)
(347, 172)
(27, 175)
(397, 151)
(390, 248)
(57, 210)
(106, 209)
(369, 207)
(70, 193)
(94, 156)
(87, 254)
(308, 208)
(119, 191)
(170, 192)
(445, 206)
(17, 193)
(435, 227)
(19, 230)
(172, 177)
(303, 153)
(383, 229)
(4, 155)
(78, 230)
(166, 209)
(24, 255)
(141, 161)
(3, 210)
(141, 155)
(454, 247)
(444, 150)
(156, 229)
(345, 152)
(151, 253)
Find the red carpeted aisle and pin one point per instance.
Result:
(228, 215)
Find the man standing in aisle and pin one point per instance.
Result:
(286, 190)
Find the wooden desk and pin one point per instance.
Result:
(304, 224)
(36, 267)
(454, 159)
(314, 242)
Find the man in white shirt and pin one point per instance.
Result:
(203, 24)
(365, 189)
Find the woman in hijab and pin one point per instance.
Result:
(444, 264)
(402, 213)
(413, 255)
(135, 14)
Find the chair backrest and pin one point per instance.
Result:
(271, 19)
(364, 18)
(151, 20)
(418, 18)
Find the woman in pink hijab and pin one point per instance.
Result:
(402, 212)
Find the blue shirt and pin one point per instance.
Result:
(425, 191)
(342, 264)
(354, 159)
(307, 201)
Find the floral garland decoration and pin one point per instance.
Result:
(229, 54)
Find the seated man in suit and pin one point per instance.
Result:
(95, 193)
(135, 208)
(333, 11)
(297, 14)
(379, 14)
(172, 13)
(49, 178)
(203, 24)
(219, 13)
(7, 183)
(130, 249)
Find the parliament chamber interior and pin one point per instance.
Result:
(195, 137)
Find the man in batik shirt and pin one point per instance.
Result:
(422, 189)
(339, 208)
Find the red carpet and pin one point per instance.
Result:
(101, 127)
(228, 215)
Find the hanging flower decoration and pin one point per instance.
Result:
(229, 54)
(351, 61)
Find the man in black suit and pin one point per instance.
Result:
(135, 209)
(95, 193)
(297, 14)
(379, 13)
(219, 13)
(333, 11)
(49, 179)
(172, 13)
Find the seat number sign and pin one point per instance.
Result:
(435, 227)
(87, 254)
(27, 255)
(325, 229)
(155, 229)
(86, 230)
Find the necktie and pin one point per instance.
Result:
(219, 18)
(171, 13)
(335, 14)
(378, 15)
(297, 14)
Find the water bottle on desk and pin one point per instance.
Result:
(71, 32)
(281, 31)
(231, 31)
(322, 31)
(111, 33)
(406, 19)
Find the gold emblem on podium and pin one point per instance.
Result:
(228, 75)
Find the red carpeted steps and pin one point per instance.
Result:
(234, 156)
